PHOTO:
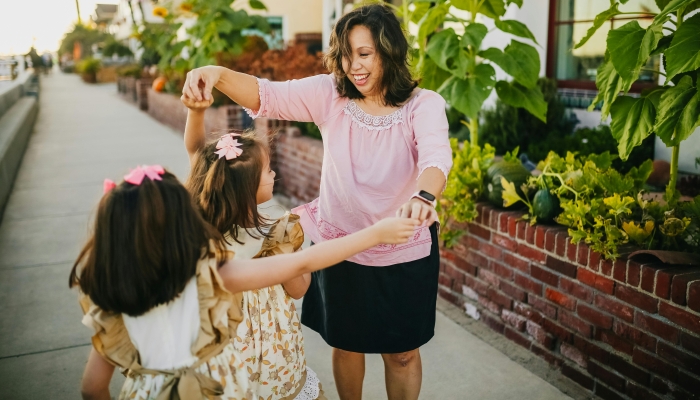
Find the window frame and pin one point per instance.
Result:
(637, 87)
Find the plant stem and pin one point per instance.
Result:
(674, 167)
(474, 131)
(406, 17)
(653, 70)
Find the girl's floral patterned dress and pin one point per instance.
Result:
(269, 339)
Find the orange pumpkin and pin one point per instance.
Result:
(159, 84)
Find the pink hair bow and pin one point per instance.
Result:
(229, 147)
(153, 172)
(108, 185)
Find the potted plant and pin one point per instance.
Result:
(88, 69)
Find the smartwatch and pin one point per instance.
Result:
(425, 196)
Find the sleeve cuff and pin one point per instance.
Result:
(263, 93)
(442, 167)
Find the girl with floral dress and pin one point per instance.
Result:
(230, 177)
(157, 287)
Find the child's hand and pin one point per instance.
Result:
(395, 230)
(195, 105)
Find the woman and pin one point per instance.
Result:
(386, 151)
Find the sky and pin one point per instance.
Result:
(46, 21)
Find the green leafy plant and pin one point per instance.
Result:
(671, 110)
(89, 66)
(83, 35)
(112, 47)
(455, 65)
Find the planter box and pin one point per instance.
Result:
(168, 109)
(581, 313)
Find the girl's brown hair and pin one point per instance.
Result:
(145, 246)
(397, 84)
(226, 190)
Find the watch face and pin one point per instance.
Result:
(426, 195)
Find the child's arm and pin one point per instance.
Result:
(242, 275)
(96, 378)
(297, 287)
(195, 132)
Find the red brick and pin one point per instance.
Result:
(517, 337)
(528, 284)
(503, 222)
(472, 242)
(691, 342)
(546, 355)
(680, 317)
(493, 220)
(593, 351)
(679, 286)
(607, 394)
(659, 385)
(638, 392)
(648, 278)
(656, 327)
(531, 253)
(562, 333)
(592, 279)
(540, 232)
(679, 358)
(637, 298)
(445, 280)
(448, 295)
(614, 341)
(620, 270)
(547, 309)
(501, 270)
(688, 382)
(490, 305)
(500, 299)
(694, 296)
(514, 320)
(577, 376)
(476, 259)
(527, 312)
(573, 288)
(479, 231)
(560, 298)
(629, 370)
(634, 271)
(663, 281)
(594, 316)
(516, 262)
(573, 354)
(606, 267)
(530, 234)
(521, 228)
(654, 364)
(543, 275)
(478, 286)
(491, 251)
(550, 239)
(454, 273)
(512, 291)
(582, 255)
(635, 335)
(571, 251)
(562, 240)
(504, 242)
(458, 261)
(593, 260)
(680, 394)
(485, 214)
(488, 277)
(575, 323)
(539, 335)
(493, 323)
(563, 267)
(608, 377)
(615, 308)
(512, 225)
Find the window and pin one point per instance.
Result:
(274, 38)
(569, 22)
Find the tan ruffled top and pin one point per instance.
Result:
(219, 313)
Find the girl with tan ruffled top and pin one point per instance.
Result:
(230, 177)
(159, 289)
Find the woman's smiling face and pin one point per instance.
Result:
(363, 68)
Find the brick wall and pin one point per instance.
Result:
(621, 329)
(297, 160)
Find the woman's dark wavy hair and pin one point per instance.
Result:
(226, 190)
(145, 245)
(390, 42)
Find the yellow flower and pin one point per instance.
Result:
(674, 226)
(186, 7)
(160, 12)
(637, 232)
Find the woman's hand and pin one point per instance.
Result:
(419, 210)
(195, 105)
(395, 230)
(200, 81)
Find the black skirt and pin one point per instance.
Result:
(367, 309)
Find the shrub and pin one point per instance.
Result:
(89, 66)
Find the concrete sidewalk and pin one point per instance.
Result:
(86, 133)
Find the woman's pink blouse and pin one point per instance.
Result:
(370, 163)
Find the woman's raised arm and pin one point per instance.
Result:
(239, 87)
